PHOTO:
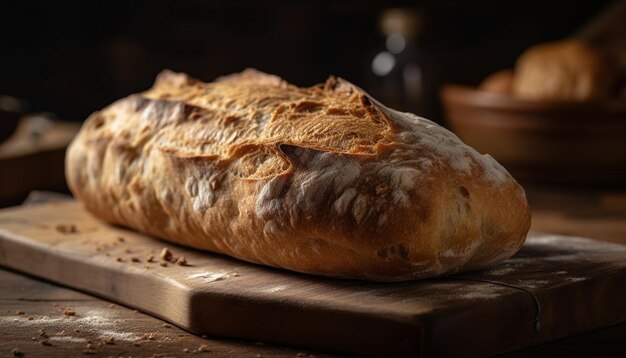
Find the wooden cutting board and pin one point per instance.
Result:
(556, 286)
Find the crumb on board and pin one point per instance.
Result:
(150, 259)
(69, 312)
(135, 259)
(204, 336)
(19, 312)
(165, 325)
(128, 251)
(30, 318)
(42, 333)
(121, 239)
(185, 350)
(45, 342)
(136, 344)
(109, 340)
(119, 259)
(164, 264)
(203, 348)
(181, 261)
(166, 254)
(148, 337)
(89, 351)
(66, 228)
(17, 352)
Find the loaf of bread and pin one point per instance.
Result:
(564, 70)
(322, 180)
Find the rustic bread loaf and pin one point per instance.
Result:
(564, 70)
(322, 180)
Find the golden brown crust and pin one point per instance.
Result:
(322, 180)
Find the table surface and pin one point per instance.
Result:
(45, 319)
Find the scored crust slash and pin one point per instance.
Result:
(322, 180)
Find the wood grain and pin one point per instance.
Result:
(472, 314)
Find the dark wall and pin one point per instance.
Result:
(74, 57)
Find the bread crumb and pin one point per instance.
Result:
(164, 264)
(148, 337)
(90, 346)
(136, 344)
(66, 228)
(89, 351)
(166, 254)
(128, 251)
(135, 259)
(19, 312)
(17, 352)
(69, 312)
(185, 350)
(121, 239)
(42, 333)
(112, 305)
(30, 318)
(181, 261)
(119, 259)
(150, 258)
(45, 342)
(135, 311)
(165, 325)
(204, 336)
(33, 338)
(109, 340)
(203, 348)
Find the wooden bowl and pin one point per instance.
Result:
(549, 141)
(11, 110)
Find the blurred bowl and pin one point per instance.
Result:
(11, 110)
(548, 141)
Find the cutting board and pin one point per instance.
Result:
(556, 286)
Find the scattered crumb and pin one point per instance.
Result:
(166, 254)
(109, 340)
(90, 346)
(135, 259)
(45, 342)
(56, 305)
(33, 339)
(164, 264)
(89, 351)
(121, 239)
(19, 312)
(62, 333)
(150, 258)
(66, 228)
(185, 350)
(136, 344)
(181, 261)
(135, 311)
(148, 336)
(119, 259)
(203, 348)
(17, 352)
(165, 325)
(69, 312)
(128, 251)
(30, 318)
(112, 305)
(77, 330)
(205, 336)
(42, 333)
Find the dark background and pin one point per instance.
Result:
(72, 57)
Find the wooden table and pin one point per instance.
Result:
(43, 319)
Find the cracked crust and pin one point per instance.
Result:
(322, 180)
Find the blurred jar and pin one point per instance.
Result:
(396, 73)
